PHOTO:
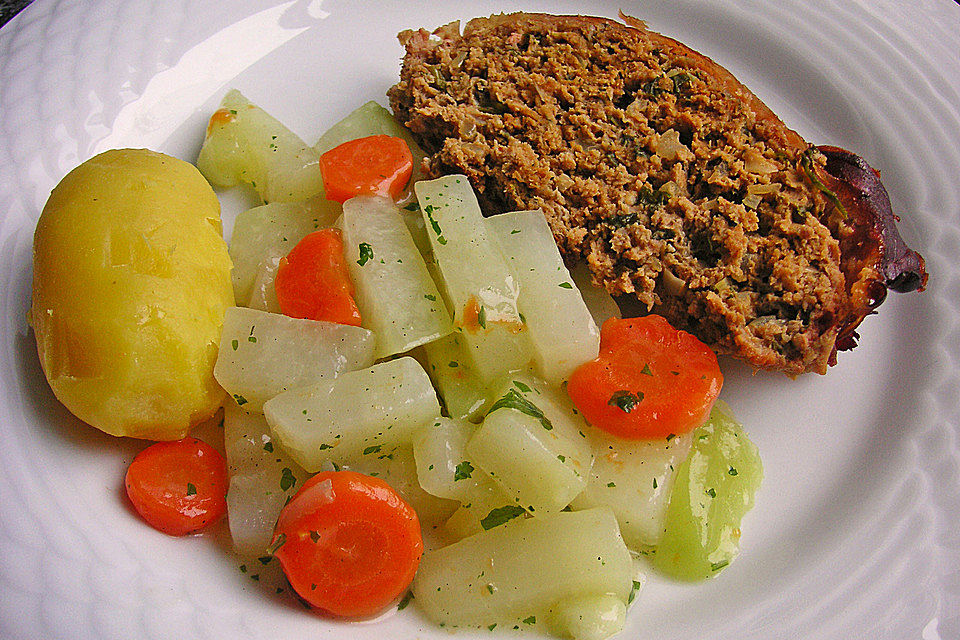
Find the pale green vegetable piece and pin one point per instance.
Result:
(245, 144)
(714, 489)
(562, 332)
(530, 459)
(588, 617)
(634, 478)
(262, 478)
(532, 444)
(359, 413)
(397, 298)
(264, 234)
(601, 304)
(448, 365)
(263, 354)
(442, 465)
(515, 573)
(263, 292)
(481, 288)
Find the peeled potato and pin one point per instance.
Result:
(131, 278)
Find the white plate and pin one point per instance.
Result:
(854, 534)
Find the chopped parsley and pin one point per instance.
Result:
(366, 253)
(287, 479)
(235, 344)
(501, 515)
(513, 400)
(463, 471)
(625, 401)
(565, 285)
(191, 489)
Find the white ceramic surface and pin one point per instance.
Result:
(855, 531)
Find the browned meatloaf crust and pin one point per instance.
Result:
(676, 185)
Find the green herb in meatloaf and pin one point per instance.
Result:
(651, 162)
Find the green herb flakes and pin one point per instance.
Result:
(463, 471)
(513, 400)
(625, 401)
(191, 489)
(366, 253)
(501, 515)
(287, 479)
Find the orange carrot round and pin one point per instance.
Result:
(348, 543)
(313, 282)
(378, 164)
(649, 381)
(178, 487)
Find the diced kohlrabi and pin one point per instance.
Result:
(262, 478)
(397, 298)
(481, 287)
(532, 445)
(442, 465)
(264, 234)
(561, 329)
(634, 478)
(263, 290)
(516, 573)
(262, 354)
(714, 489)
(446, 361)
(359, 413)
(245, 144)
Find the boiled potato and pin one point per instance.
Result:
(131, 278)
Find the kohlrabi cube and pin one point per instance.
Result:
(397, 298)
(516, 573)
(262, 479)
(262, 354)
(532, 445)
(245, 144)
(482, 289)
(442, 465)
(561, 329)
(360, 413)
(634, 478)
(714, 489)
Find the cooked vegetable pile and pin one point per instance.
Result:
(421, 402)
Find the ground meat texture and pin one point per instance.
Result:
(682, 192)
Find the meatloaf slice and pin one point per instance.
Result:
(679, 188)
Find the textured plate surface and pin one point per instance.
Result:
(854, 534)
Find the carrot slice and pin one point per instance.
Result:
(378, 164)
(313, 282)
(649, 381)
(178, 487)
(348, 543)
